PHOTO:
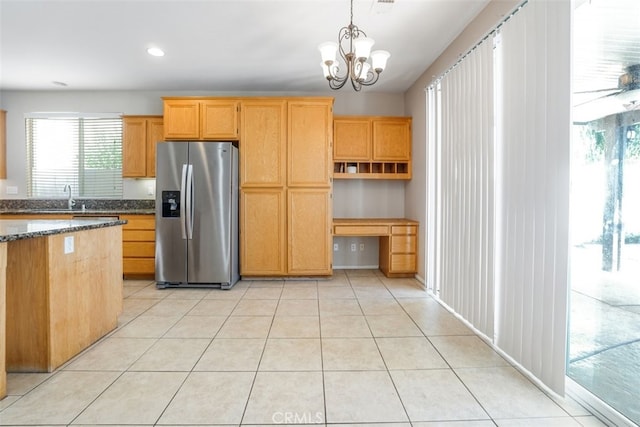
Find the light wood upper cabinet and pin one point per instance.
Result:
(181, 119)
(155, 134)
(392, 139)
(372, 147)
(139, 137)
(3, 144)
(219, 119)
(201, 118)
(352, 139)
(263, 146)
(309, 144)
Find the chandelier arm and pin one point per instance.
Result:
(371, 79)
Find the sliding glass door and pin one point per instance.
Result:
(604, 333)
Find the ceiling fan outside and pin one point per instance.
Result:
(625, 97)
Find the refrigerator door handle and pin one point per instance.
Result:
(183, 205)
(190, 202)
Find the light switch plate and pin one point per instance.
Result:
(68, 244)
(12, 189)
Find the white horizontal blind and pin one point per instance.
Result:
(465, 206)
(533, 192)
(84, 151)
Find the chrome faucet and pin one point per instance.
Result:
(70, 202)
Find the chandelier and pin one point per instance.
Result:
(355, 49)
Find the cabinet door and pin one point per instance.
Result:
(351, 139)
(134, 135)
(219, 119)
(309, 153)
(309, 231)
(264, 141)
(181, 119)
(155, 134)
(262, 232)
(392, 139)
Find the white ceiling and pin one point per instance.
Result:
(213, 45)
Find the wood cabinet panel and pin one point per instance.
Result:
(3, 319)
(309, 155)
(181, 119)
(403, 244)
(155, 134)
(309, 231)
(219, 119)
(138, 245)
(352, 139)
(403, 263)
(134, 156)
(392, 139)
(263, 232)
(73, 298)
(138, 249)
(264, 142)
(139, 136)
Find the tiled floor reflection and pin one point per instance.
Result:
(356, 349)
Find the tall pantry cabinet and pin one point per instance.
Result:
(285, 186)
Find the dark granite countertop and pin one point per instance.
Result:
(77, 212)
(16, 229)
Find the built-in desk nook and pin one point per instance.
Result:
(398, 241)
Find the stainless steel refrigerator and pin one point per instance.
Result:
(196, 214)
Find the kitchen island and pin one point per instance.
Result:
(60, 290)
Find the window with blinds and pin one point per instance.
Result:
(82, 150)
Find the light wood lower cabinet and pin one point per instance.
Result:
(262, 232)
(398, 252)
(308, 230)
(60, 303)
(138, 246)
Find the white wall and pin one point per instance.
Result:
(416, 106)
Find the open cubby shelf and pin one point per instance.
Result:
(371, 170)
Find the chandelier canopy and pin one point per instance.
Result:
(355, 50)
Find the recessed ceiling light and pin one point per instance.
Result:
(57, 83)
(155, 51)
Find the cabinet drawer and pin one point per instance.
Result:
(138, 236)
(138, 266)
(403, 229)
(401, 263)
(141, 223)
(403, 244)
(360, 230)
(138, 249)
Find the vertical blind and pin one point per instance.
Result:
(465, 202)
(81, 150)
(533, 201)
(499, 188)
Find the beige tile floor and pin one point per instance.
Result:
(356, 349)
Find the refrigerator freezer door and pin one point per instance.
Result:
(209, 259)
(171, 248)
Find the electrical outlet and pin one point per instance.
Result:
(353, 247)
(336, 247)
(11, 189)
(68, 245)
(361, 247)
